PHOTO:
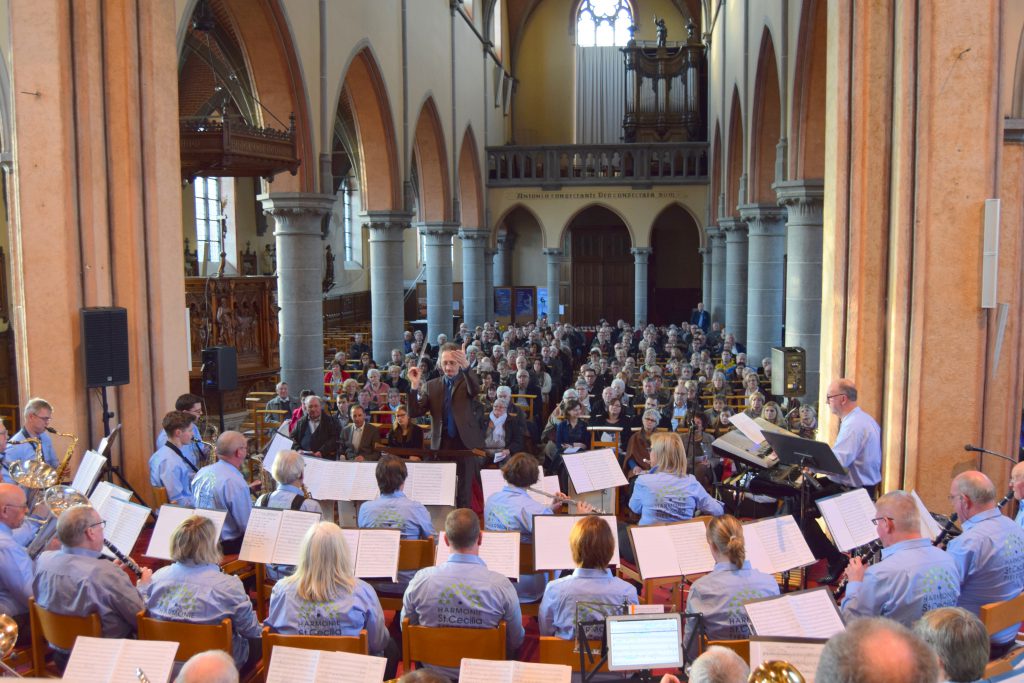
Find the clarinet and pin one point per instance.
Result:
(1005, 500)
(946, 530)
(869, 553)
(125, 560)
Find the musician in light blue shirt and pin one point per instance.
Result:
(76, 581)
(221, 486)
(194, 589)
(193, 405)
(989, 553)
(463, 592)
(667, 493)
(913, 577)
(36, 421)
(858, 445)
(720, 595)
(1017, 486)
(174, 465)
(394, 510)
(322, 598)
(288, 471)
(16, 568)
(512, 509)
(591, 592)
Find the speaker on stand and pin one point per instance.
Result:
(105, 359)
(220, 373)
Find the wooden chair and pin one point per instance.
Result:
(529, 609)
(528, 408)
(560, 651)
(159, 497)
(249, 571)
(60, 630)
(996, 616)
(359, 645)
(191, 638)
(413, 555)
(444, 646)
(740, 647)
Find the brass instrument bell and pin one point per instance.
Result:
(60, 498)
(775, 672)
(33, 474)
(8, 635)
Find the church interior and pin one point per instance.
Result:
(821, 175)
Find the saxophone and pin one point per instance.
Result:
(66, 460)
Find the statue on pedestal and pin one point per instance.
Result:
(328, 282)
(661, 30)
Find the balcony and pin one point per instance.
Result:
(554, 166)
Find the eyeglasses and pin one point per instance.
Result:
(876, 520)
(829, 397)
(12, 505)
(44, 419)
(102, 522)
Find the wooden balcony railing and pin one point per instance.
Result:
(553, 166)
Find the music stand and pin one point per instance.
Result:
(108, 453)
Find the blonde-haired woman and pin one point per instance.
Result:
(323, 598)
(667, 493)
(721, 594)
(193, 589)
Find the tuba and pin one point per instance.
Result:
(775, 672)
(8, 639)
(35, 474)
(57, 499)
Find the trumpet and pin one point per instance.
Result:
(568, 501)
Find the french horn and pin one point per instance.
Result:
(776, 672)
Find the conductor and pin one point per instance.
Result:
(449, 400)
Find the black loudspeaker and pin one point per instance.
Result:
(789, 371)
(105, 346)
(220, 368)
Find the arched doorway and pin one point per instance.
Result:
(601, 267)
(675, 269)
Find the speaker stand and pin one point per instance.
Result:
(112, 468)
(220, 409)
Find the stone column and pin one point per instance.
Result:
(735, 277)
(765, 278)
(803, 202)
(641, 255)
(387, 301)
(474, 277)
(706, 257)
(438, 239)
(297, 228)
(489, 261)
(554, 278)
(503, 261)
(716, 307)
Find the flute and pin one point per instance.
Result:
(125, 560)
(567, 501)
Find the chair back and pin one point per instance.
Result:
(999, 615)
(359, 645)
(191, 638)
(159, 497)
(444, 646)
(60, 630)
(560, 651)
(740, 647)
(415, 554)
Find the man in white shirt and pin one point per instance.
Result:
(858, 445)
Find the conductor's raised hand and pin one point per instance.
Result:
(414, 377)
(460, 357)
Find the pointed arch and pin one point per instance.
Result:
(471, 193)
(432, 165)
(765, 124)
(261, 31)
(366, 94)
(807, 135)
(734, 172)
(716, 172)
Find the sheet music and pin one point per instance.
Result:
(115, 660)
(489, 671)
(804, 614)
(288, 664)
(594, 470)
(802, 655)
(102, 447)
(550, 485)
(326, 479)
(431, 483)
(499, 550)
(848, 517)
(88, 472)
(279, 443)
(929, 527)
(776, 544)
(551, 540)
(294, 525)
(260, 535)
(105, 490)
(124, 523)
(168, 520)
(747, 426)
(690, 553)
(364, 480)
(374, 552)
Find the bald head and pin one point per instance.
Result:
(1017, 480)
(11, 495)
(877, 651)
(900, 507)
(231, 448)
(12, 505)
(212, 666)
(977, 487)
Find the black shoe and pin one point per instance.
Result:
(835, 571)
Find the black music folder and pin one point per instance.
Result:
(794, 450)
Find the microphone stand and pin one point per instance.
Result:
(981, 455)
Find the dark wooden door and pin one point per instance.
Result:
(602, 274)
